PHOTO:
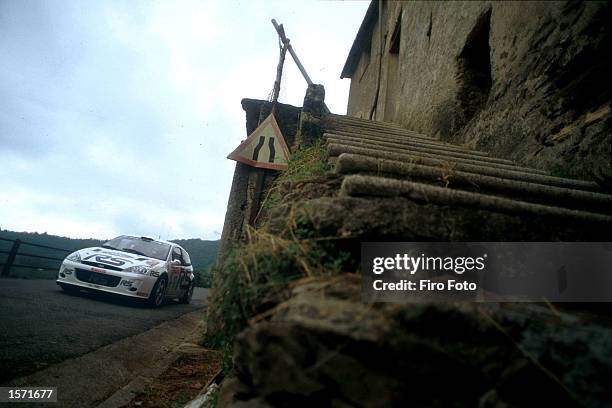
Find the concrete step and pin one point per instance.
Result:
(396, 154)
(405, 139)
(335, 150)
(411, 147)
(372, 186)
(525, 191)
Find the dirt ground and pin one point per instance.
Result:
(182, 381)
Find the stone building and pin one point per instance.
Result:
(526, 81)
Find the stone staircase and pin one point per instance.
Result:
(451, 185)
(319, 344)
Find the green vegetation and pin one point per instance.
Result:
(214, 398)
(258, 274)
(203, 254)
(304, 164)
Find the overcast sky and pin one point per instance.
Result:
(116, 116)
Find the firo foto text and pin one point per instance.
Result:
(424, 285)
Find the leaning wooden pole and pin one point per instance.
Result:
(285, 41)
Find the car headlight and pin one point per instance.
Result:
(74, 257)
(143, 270)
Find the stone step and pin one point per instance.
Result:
(406, 139)
(531, 192)
(335, 150)
(371, 124)
(383, 131)
(410, 147)
(360, 121)
(372, 186)
(395, 154)
(401, 219)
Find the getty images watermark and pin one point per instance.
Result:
(487, 271)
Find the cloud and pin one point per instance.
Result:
(116, 117)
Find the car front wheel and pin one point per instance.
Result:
(186, 298)
(158, 294)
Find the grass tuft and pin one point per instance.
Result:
(254, 277)
(304, 164)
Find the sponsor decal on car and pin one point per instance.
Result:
(108, 259)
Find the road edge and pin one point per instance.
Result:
(121, 369)
(127, 393)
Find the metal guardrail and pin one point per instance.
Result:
(14, 252)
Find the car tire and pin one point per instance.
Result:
(158, 294)
(186, 298)
(70, 289)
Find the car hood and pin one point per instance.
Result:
(112, 259)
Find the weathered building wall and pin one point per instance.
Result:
(523, 80)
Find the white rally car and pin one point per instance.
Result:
(139, 267)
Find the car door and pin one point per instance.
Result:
(186, 270)
(176, 271)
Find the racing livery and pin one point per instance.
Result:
(139, 267)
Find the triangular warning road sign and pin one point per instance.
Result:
(264, 148)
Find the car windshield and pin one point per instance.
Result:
(139, 246)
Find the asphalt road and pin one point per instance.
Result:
(41, 325)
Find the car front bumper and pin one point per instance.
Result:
(105, 280)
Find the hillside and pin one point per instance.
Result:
(202, 252)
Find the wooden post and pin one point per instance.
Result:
(279, 73)
(260, 174)
(11, 257)
(285, 41)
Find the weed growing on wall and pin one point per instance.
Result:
(304, 164)
(255, 276)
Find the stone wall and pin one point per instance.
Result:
(523, 80)
(240, 208)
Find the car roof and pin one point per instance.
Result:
(151, 238)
